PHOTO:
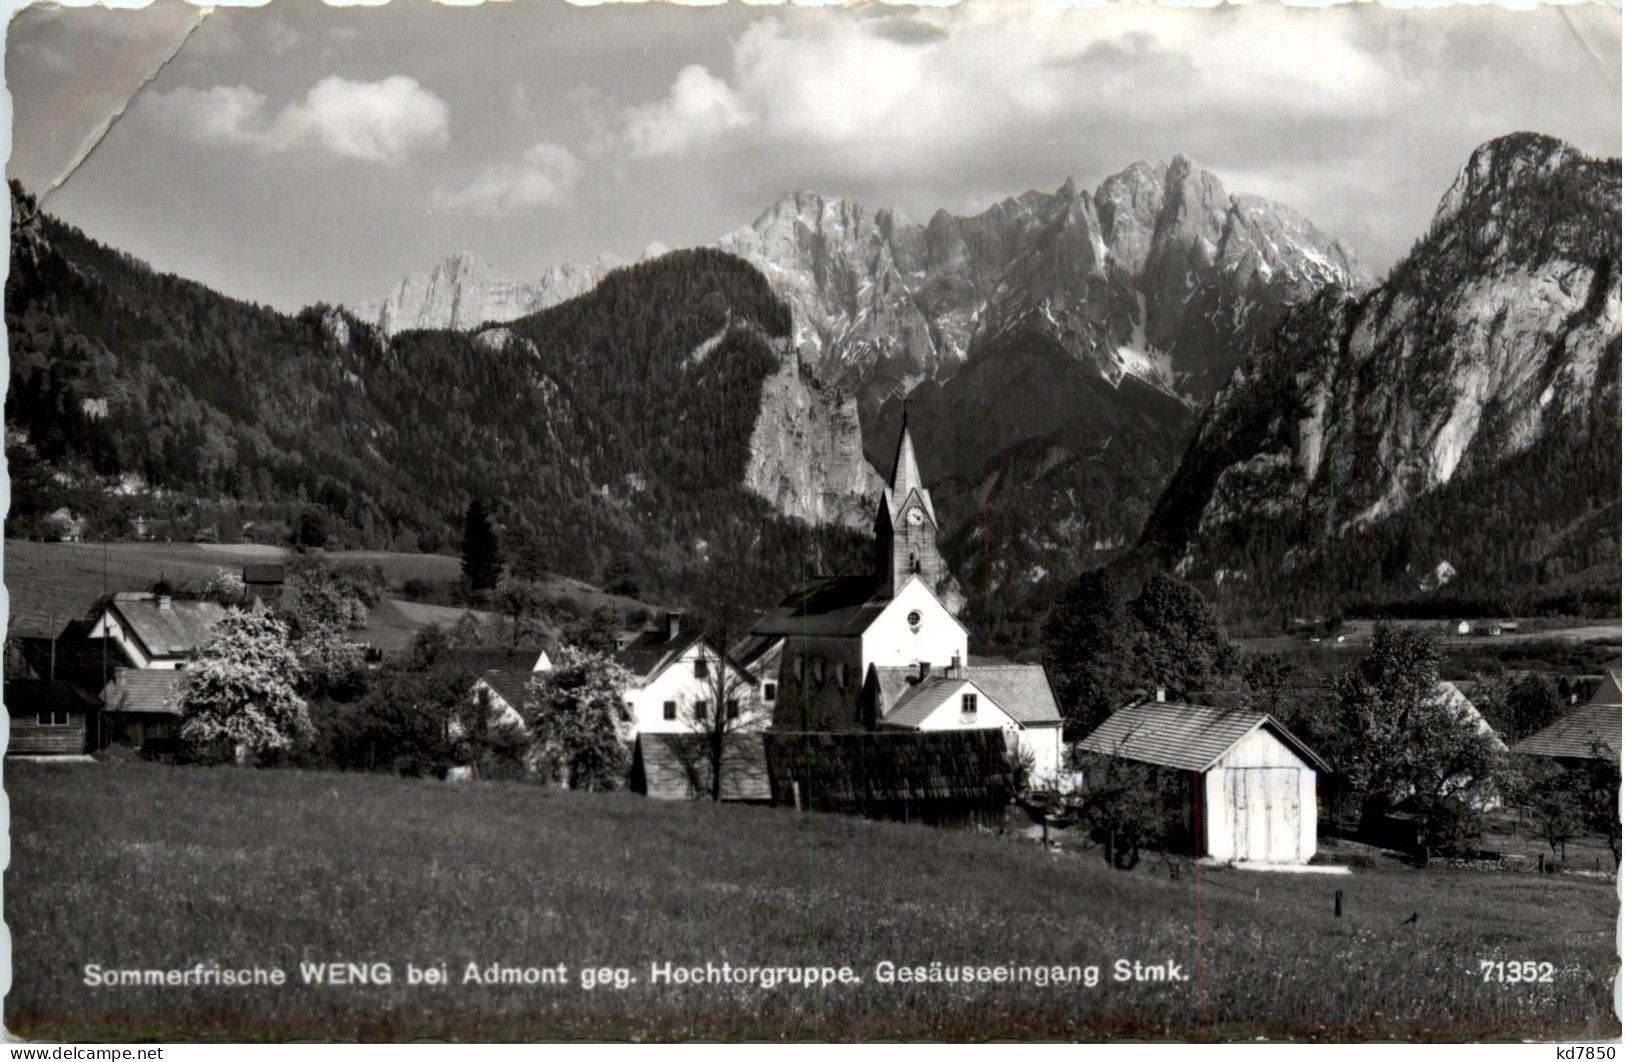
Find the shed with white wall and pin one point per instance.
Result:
(1252, 781)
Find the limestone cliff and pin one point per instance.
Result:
(806, 452)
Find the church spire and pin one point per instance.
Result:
(905, 470)
(906, 523)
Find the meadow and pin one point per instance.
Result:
(135, 865)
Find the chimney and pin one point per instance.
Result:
(164, 602)
(953, 667)
(674, 623)
(925, 670)
(1162, 694)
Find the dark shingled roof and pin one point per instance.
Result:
(264, 574)
(753, 647)
(150, 691)
(1571, 737)
(649, 652)
(499, 659)
(678, 767)
(868, 770)
(511, 685)
(1187, 737)
(841, 605)
(175, 628)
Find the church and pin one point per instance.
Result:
(882, 651)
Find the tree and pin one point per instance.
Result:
(1597, 792)
(595, 631)
(401, 725)
(1403, 745)
(311, 532)
(1126, 806)
(226, 587)
(729, 710)
(1179, 644)
(239, 695)
(321, 606)
(1088, 650)
(521, 602)
(621, 577)
(1555, 806)
(577, 719)
(482, 558)
(1533, 702)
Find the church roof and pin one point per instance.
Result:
(840, 605)
(906, 478)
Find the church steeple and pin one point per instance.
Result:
(905, 523)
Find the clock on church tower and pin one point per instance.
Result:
(906, 526)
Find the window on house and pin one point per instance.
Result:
(52, 718)
(670, 710)
(701, 710)
(770, 692)
(701, 669)
(733, 709)
(967, 704)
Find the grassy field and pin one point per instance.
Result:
(53, 582)
(141, 866)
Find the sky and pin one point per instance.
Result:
(299, 153)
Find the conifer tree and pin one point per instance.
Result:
(482, 559)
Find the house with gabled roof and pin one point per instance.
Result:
(1585, 733)
(1252, 782)
(142, 706)
(1015, 698)
(156, 631)
(674, 684)
(49, 718)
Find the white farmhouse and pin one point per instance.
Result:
(674, 683)
(155, 631)
(1015, 698)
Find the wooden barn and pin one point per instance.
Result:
(143, 707)
(1252, 783)
(678, 767)
(49, 718)
(934, 776)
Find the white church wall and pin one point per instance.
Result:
(892, 641)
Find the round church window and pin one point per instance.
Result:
(914, 620)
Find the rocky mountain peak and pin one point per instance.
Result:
(1498, 165)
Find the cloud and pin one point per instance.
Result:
(371, 121)
(544, 176)
(699, 107)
